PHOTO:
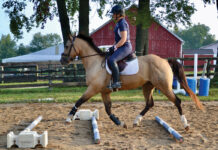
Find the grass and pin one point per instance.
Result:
(71, 94)
(37, 82)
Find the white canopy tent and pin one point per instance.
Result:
(51, 54)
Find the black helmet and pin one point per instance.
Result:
(117, 9)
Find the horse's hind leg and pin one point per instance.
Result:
(147, 91)
(177, 101)
(107, 103)
(183, 119)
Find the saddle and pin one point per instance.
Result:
(123, 63)
(127, 66)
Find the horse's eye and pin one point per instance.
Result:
(66, 47)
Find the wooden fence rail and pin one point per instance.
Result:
(73, 73)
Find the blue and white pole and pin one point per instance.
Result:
(95, 130)
(169, 129)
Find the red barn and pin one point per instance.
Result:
(162, 42)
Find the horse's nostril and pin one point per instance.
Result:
(64, 60)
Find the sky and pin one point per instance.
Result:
(205, 14)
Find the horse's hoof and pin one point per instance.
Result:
(137, 120)
(123, 125)
(68, 120)
(187, 128)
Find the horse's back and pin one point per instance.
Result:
(154, 61)
(158, 68)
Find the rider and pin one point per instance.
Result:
(122, 47)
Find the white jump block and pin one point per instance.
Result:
(28, 138)
(86, 114)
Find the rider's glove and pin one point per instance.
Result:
(112, 49)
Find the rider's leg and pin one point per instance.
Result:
(118, 55)
(115, 73)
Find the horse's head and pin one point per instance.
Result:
(70, 51)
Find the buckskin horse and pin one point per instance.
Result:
(154, 72)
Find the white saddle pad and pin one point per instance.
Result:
(131, 68)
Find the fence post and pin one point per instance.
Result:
(2, 74)
(37, 72)
(49, 75)
(208, 68)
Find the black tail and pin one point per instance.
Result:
(179, 73)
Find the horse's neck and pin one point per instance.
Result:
(91, 62)
(88, 60)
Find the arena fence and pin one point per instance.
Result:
(71, 75)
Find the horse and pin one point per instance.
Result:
(154, 72)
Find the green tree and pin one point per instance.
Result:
(169, 12)
(196, 36)
(40, 41)
(22, 50)
(7, 47)
(44, 10)
(211, 1)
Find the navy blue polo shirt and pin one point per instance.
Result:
(121, 25)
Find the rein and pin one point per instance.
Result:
(89, 55)
(72, 46)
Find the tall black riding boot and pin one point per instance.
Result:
(115, 75)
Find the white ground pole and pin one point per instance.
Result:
(33, 124)
(28, 138)
(87, 114)
(95, 130)
(169, 129)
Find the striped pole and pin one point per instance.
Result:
(169, 129)
(33, 124)
(95, 130)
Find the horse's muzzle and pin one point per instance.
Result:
(64, 60)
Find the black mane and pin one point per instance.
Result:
(91, 43)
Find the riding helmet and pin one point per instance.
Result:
(117, 9)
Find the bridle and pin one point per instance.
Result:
(73, 47)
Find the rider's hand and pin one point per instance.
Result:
(112, 49)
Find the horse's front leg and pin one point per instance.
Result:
(85, 97)
(107, 103)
